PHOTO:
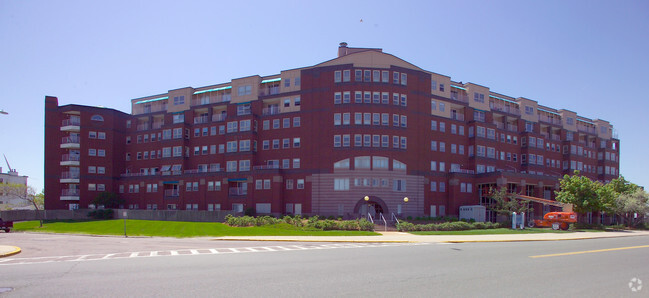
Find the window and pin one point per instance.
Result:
(289, 183)
(179, 118)
(395, 78)
(346, 140)
(341, 184)
(433, 125)
(337, 119)
(92, 134)
(179, 100)
(244, 125)
(529, 110)
(358, 75)
(286, 123)
(442, 126)
(337, 98)
(296, 121)
(362, 162)
(101, 152)
(404, 79)
(404, 100)
(296, 142)
(300, 184)
(404, 121)
(296, 163)
(346, 97)
(97, 118)
(244, 90)
(92, 152)
(346, 76)
(478, 97)
(337, 141)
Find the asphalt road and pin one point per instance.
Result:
(75, 266)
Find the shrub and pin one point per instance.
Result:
(101, 214)
(479, 225)
(365, 225)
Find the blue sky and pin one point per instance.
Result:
(586, 56)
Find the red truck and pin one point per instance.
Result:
(6, 225)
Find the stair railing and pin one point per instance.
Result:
(369, 217)
(385, 222)
(394, 217)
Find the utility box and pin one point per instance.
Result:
(475, 212)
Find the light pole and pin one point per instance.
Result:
(405, 201)
(367, 200)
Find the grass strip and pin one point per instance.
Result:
(174, 229)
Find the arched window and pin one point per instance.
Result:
(97, 118)
(343, 164)
(397, 165)
(362, 162)
(379, 162)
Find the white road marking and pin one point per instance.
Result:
(189, 252)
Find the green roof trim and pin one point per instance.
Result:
(503, 99)
(214, 89)
(544, 110)
(271, 80)
(151, 100)
(458, 87)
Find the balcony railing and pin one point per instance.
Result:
(463, 171)
(270, 111)
(201, 119)
(71, 122)
(143, 126)
(70, 157)
(269, 91)
(139, 109)
(218, 117)
(457, 116)
(499, 125)
(459, 97)
(70, 175)
(586, 129)
(548, 119)
(69, 192)
(157, 124)
(172, 193)
(556, 138)
(266, 167)
(70, 140)
(512, 127)
(506, 109)
(238, 191)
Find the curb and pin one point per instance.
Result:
(317, 240)
(16, 250)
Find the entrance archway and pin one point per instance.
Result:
(374, 206)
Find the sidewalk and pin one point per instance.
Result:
(399, 237)
(6, 250)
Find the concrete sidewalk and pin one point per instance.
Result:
(411, 238)
(6, 250)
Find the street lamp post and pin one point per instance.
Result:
(405, 201)
(367, 200)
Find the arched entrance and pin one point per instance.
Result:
(374, 206)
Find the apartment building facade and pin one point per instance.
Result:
(353, 135)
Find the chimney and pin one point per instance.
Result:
(342, 49)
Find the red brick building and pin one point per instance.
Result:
(318, 140)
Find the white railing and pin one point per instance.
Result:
(71, 122)
(369, 217)
(385, 222)
(218, 117)
(394, 217)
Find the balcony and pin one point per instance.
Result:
(71, 142)
(505, 109)
(456, 116)
(69, 195)
(270, 111)
(499, 125)
(201, 119)
(172, 193)
(238, 191)
(463, 171)
(139, 109)
(269, 91)
(459, 97)
(219, 117)
(71, 125)
(266, 167)
(548, 119)
(70, 160)
(70, 177)
(512, 127)
(157, 124)
(556, 138)
(143, 126)
(586, 129)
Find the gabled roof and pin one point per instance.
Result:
(370, 58)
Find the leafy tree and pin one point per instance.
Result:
(584, 194)
(628, 199)
(627, 205)
(108, 200)
(24, 193)
(505, 203)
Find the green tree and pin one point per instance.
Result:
(584, 194)
(505, 203)
(632, 206)
(108, 200)
(24, 193)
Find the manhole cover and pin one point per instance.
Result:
(4, 290)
